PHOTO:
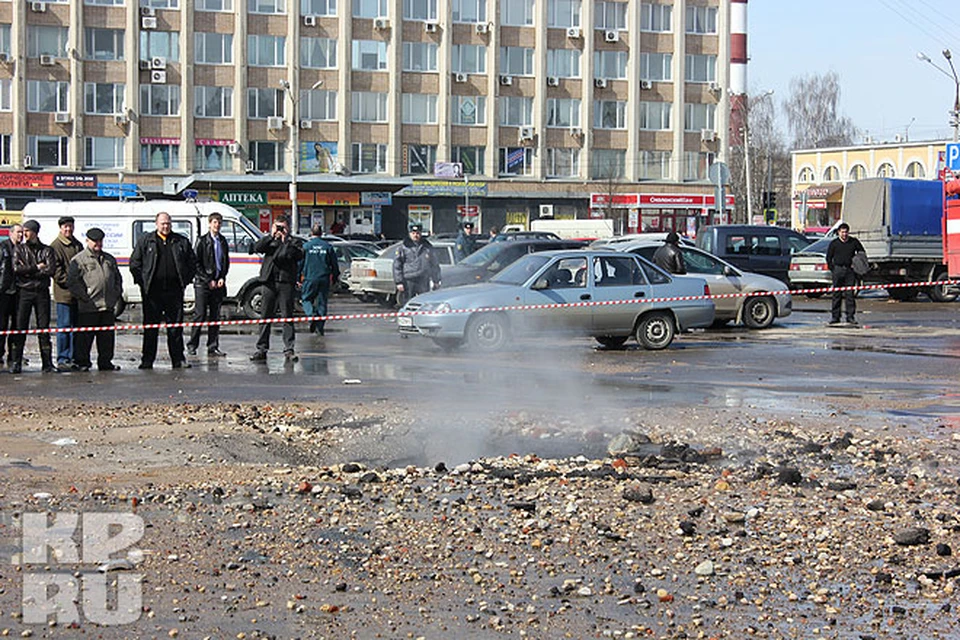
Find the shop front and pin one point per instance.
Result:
(817, 207)
(654, 212)
(340, 212)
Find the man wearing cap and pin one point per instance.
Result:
(669, 257)
(96, 284)
(33, 264)
(65, 247)
(416, 269)
(8, 290)
(466, 242)
(210, 285)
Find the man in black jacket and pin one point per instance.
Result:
(33, 264)
(416, 269)
(840, 262)
(210, 285)
(163, 264)
(8, 290)
(278, 276)
(669, 257)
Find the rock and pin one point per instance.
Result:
(876, 505)
(912, 536)
(121, 564)
(626, 443)
(789, 475)
(351, 467)
(705, 568)
(944, 550)
(304, 487)
(688, 528)
(842, 442)
(638, 493)
(440, 468)
(369, 477)
(674, 450)
(351, 491)
(523, 505)
(841, 485)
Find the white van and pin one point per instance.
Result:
(124, 222)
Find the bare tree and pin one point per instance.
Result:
(812, 111)
(769, 161)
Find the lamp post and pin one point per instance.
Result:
(955, 114)
(746, 151)
(295, 143)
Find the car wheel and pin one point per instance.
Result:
(655, 330)
(903, 294)
(253, 302)
(759, 313)
(612, 342)
(448, 344)
(943, 292)
(487, 332)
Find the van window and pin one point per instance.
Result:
(183, 227)
(237, 236)
(797, 244)
(766, 245)
(737, 245)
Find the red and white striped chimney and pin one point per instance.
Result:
(738, 70)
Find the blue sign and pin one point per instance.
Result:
(382, 198)
(117, 190)
(190, 194)
(953, 156)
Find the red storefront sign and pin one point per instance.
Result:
(12, 180)
(651, 200)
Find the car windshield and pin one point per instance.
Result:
(820, 246)
(521, 270)
(482, 257)
(360, 251)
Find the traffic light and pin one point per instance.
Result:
(771, 199)
(765, 199)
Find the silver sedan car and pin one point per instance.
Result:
(636, 299)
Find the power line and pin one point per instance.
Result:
(910, 20)
(942, 15)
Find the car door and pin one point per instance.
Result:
(767, 255)
(617, 278)
(564, 280)
(703, 265)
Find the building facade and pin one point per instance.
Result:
(540, 107)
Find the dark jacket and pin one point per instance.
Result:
(281, 260)
(8, 279)
(465, 245)
(669, 258)
(207, 259)
(416, 260)
(64, 250)
(26, 257)
(319, 261)
(95, 281)
(143, 261)
(840, 254)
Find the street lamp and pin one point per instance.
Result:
(295, 143)
(746, 150)
(955, 114)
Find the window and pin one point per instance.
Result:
(831, 174)
(214, 5)
(654, 165)
(608, 164)
(857, 172)
(5, 39)
(563, 63)
(318, 53)
(266, 6)
(420, 10)
(266, 51)
(563, 112)
(47, 41)
(915, 170)
(701, 68)
(211, 158)
(617, 272)
(419, 56)
(516, 111)
(472, 159)
(103, 153)
(806, 175)
(48, 151)
(369, 157)
(213, 48)
(266, 156)
(6, 158)
(369, 106)
(516, 61)
(610, 64)
(318, 7)
(469, 10)
(655, 116)
(563, 13)
(369, 8)
(213, 102)
(6, 87)
(563, 163)
(516, 161)
(103, 98)
(468, 110)
(610, 15)
(264, 103)
(161, 4)
(699, 116)
(609, 114)
(517, 13)
(656, 17)
(45, 96)
(695, 165)
(160, 99)
(701, 19)
(419, 108)
(886, 170)
(421, 158)
(108, 3)
(318, 105)
(469, 58)
(656, 66)
(103, 44)
(369, 55)
(162, 44)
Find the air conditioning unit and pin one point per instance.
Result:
(714, 87)
(61, 117)
(576, 132)
(306, 124)
(526, 133)
(546, 211)
(611, 36)
(459, 77)
(233, 148)
(47, 61)
(121, 119)
(159, 63)
(553, 81)
(148, 12)
(646, 84)
(506, 80)
(431, 27)
(144, 65)
(574, 32)
(248, 166)
(148, 22)
(158, 77)
(39, 7)
(483, 28)
(898, 138)
(381, 23)
(27, 161)
(275, 122)
(708, 135)
(600, 83)
(309, 21)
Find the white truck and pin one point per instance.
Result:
(124, 222)
(586, 229)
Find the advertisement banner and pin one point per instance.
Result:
(371, 198)
(426, 188)
(318, 157)
(337, 199)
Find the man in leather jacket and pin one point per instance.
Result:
(669, 257)
(278, 274)
(210, 285)
(8, 290)
(33, 264)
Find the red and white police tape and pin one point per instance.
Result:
(528, 307)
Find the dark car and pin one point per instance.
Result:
(511, 236)
(486, 262)
(757, 248)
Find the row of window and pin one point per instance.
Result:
(859, 172)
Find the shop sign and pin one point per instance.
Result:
(628, 200)
(371, 198)
(449, 188)
(243, 198)
(614, 200)
(337, 199)
(448, 169)
(18, 180)
(74, 181)
(816, 204)
(174, 141)
(283, 198)
(213, 142)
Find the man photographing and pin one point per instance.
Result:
(278, 274)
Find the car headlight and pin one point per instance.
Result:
(436, 307)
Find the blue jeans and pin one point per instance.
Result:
(66, 317)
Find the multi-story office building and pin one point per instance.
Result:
(589, 107)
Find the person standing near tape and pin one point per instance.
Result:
(210, 285)
(319, 271)
(65, 247)
(669, 257)
(97, 286)
(840, 262)
(278, 275)
(416, 269)
(34, 264)
(466, 243)
(162, 265)
(8, 291)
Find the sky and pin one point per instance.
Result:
(872, 45)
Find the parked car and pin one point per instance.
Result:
(347, 251)
(486, 262)
(371, 279)
(755, 312)
(562, 277)
(652, 236)
(809, 270)
(757, 248)
(509, 236)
